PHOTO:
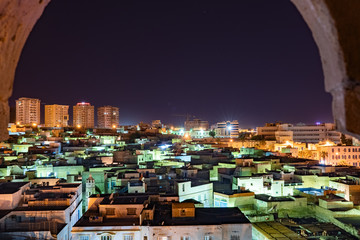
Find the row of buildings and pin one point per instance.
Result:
(106, 185)
(28, 113)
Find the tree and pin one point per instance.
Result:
(212, 133)
(257, 137)
(307, 154)
(343, 139)
(323, 154)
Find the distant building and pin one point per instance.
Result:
(343, 155)
(300, 132)
(228, 129)
(156, 124)
(56, 115)
(83, 115)
(108, 117)
(196, 124)
(268, 131)
(28, 111)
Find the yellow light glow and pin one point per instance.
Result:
(18, 123)
(114, 126)
(34, 124)
(78, 126)
(231, 140)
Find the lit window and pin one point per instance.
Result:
(234, 237)
(129, 237)
(84, 237)
(110, 211)
(131, 211)
(106, 237)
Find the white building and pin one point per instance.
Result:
(202, 192)
(45, 212)
(266, 184)
(227, 129)
(136, 217)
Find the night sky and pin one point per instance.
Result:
(254, 61)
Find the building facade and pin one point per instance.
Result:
(108, 117)
(300, 132)
(28, 111)
(56, 115)
(343, 155)
(196, 124)
(83, 115)
(227, 129)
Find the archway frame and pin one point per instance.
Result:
(335, 26)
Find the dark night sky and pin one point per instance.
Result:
(254, 60)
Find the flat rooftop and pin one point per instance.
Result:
(11, 187)
(203, 216)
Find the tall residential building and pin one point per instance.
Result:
(108, 117)
(83, 115)
(196, 124)
(28, 111)
(56, 115)
(227, 129)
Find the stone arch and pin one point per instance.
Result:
(335, 26)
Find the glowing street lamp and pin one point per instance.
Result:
(114, 126)
(34, 124)
(78, 126)
(18, 123)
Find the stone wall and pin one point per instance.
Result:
(17, 18)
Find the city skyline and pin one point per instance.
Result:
(69, 118)
(201, 46)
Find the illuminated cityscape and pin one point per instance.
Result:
(179, 120)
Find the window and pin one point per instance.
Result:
(185, 238)
(164, 238)
(131, 211)
(106, 237)
(182, 212)
(207, 237)
(110, 211)
(183, 187)
(128, 237)
(84, 237)
(234, 237)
